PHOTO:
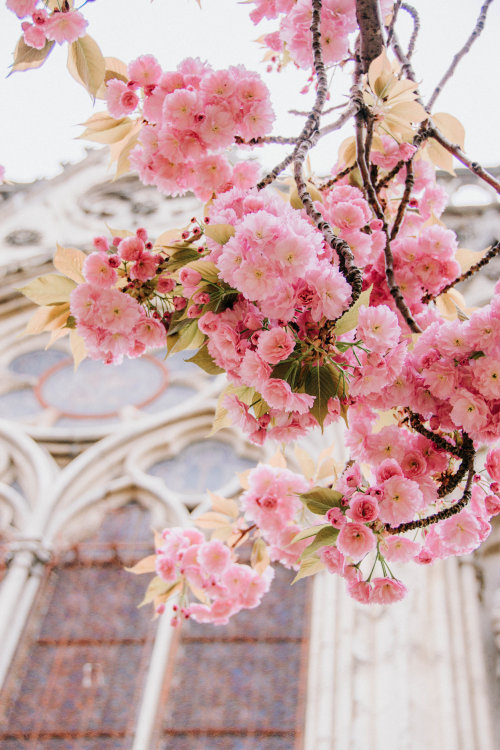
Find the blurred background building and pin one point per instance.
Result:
(91, 462)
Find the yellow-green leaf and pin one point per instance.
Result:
(326, 537)
(157, 587)
(208, 270)
(29, 58)
(450, 127)
(221, 233)
(311, 531)
(468, 258)
(69, 261)
(46, 318)
(78, 348)
(190, 337)
(321, 383)
(211, 520)
(116, 131)
(50, 289)
(308, 567)
(349, 319)
(115, 68)
(319, 500)
(205, 362)
(146, 565)
(123, 165)
(225, 505)
(259, 558)
(86, 63)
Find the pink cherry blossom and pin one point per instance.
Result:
(65, 27)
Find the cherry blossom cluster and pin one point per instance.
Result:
(272, 503)
(338, 21)
(288, 286)
(357, 537)
(62, 25)
(111, 309)
(190, 116)
(221, 586)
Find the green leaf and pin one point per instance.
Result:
(308, 567)
(311, 531)
(50, 289)
(86, 63)
(319, 382)
(326, 537)
(221, 233)
(221, 418)
(29, 58)
(157, 587)
(179, 256)
(203, 359)
(208, 270)
(260, 408)
(319, 500)
(190, 337)
(349, 319)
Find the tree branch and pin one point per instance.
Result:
(370, 29)
(416, 28)
(457, 152)
(307, 138)
(492, 253)
(441, 515)
(461, 53)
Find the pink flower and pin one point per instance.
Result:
(275, 345)
(65, 27)
(150, 332)
(128, 101)
(378, 328)
(145, 71)
(131, 248)
(332, 559)
(144, 267)
(387, 590)
(469, 411)
(332, 292)
(356, 540)
(97, 270)
(400, 549)
(362, 508)
(493, 464)
(361, 591)
(460, 533)
(400, 500)
(34, 36)
(214, 557)
(22, 8)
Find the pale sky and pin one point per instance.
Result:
(41, 109)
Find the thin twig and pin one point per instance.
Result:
(457, 152)
(416, 27)
(438, 440)
(338, 123)
(441, 515)
(390, 30)
(409, 182)
(492, 253)
(481, 19)
(337, 177)
(265, 139)
(307, 138)
(302, 113)
(373, 200)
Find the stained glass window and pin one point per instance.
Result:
(76, 681)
